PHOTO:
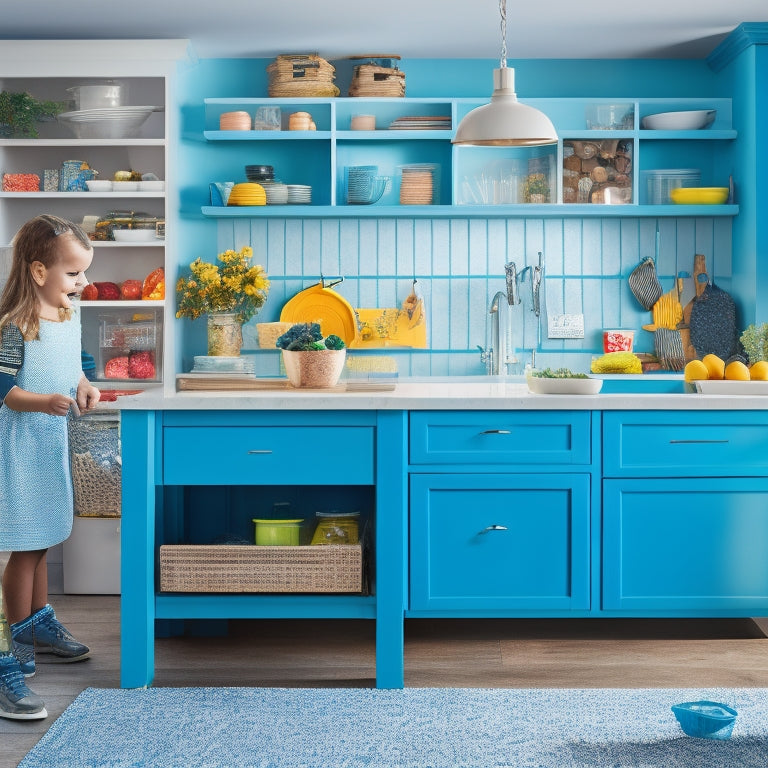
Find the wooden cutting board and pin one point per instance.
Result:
(700, 281)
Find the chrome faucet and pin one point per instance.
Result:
(501, 353)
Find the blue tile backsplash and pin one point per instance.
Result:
(459, 265)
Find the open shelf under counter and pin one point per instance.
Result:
(544, 211)
(124, 304)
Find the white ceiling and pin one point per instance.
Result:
(552, 29)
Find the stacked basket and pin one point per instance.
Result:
(301, 75)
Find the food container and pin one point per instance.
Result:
(700, 195)
(337, 528)
(362, 123)
(706, 719)
(97, 96)
(277, 533)
(618, 341)
(267, 119)
(660, 182)
(610, 117)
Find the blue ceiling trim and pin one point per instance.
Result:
(744, 36)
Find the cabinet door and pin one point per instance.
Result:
(499, 542)
(698, 545)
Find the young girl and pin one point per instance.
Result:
(41, 383)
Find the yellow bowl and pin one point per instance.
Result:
(699, 195)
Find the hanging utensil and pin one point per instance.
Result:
(513, 284)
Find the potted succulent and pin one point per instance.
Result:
(20, 111)
(309, 359)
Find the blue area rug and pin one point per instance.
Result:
(410, 728)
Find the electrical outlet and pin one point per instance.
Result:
(565, 327)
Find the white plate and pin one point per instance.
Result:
(134, 235)
(543, 386)
(689, 120)
(723, 387)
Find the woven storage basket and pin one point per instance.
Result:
(251, 568)
(372, 80)
(301, 75)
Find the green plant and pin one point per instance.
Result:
(306, 337)
(19, 111)
(755, 342)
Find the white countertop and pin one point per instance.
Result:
(433, 393)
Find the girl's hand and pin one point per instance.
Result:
(57, 405)
(87, 395)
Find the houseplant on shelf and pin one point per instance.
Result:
(310, 360)
(20, 111)
(229, 292)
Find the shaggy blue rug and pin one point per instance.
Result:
(410, 728)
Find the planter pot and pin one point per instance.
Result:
(317, 370)
(225, 334)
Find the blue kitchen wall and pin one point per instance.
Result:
(458, 263)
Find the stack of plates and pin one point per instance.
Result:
(223, 364)
(299, 194)
(106, 123)
(235, 121)
(247, 194)
(421, 123)
(277, 192)
(418, 184)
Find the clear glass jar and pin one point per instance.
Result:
(225, 334)
(337, 528)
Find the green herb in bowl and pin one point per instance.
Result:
(557, 373)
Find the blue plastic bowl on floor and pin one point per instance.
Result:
(705, 719)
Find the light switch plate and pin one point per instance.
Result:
(565, 327)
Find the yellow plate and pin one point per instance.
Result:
(322, 305)
(699, 195)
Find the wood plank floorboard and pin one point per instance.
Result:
(506, 653)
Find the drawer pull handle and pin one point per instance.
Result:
(496, 432)
(259, 451)
(494, 528)
(706, 442)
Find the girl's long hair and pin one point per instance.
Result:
(35, 241)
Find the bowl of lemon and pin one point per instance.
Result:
(713, 375)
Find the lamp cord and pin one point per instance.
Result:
(503, 13)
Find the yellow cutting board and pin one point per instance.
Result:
(391, 327)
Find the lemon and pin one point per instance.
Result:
(696, 371)
(715, 366)
(759, 371)
(736, 371)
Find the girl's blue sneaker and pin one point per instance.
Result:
(46, 634)
(17, 702)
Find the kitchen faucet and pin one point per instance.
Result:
(501, 352)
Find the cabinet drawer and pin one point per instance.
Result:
(670, 444)
(675, 544)
(500, 437)
(268, 455)
(499, 542)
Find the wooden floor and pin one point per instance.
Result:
(592, 653)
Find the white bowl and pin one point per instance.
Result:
(151, 186)
(99, 185)
(125, 186)
(539, 385)
(689, 120)
(134, 235)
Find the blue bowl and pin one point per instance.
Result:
(705, 719)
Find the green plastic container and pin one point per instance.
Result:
(277, 533)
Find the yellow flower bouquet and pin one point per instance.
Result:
(232, 285)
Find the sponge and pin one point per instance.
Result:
(617, 362)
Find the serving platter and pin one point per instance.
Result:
(724, 387)
(540, 385)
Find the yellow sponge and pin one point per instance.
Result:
(617, 362)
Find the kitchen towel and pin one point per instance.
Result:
(409, 728)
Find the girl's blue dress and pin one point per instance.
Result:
(36, 502)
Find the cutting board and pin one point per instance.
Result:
(700, 281)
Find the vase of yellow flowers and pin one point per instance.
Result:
(230, 292)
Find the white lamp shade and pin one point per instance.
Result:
(505, 122)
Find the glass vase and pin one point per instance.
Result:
(225, 334)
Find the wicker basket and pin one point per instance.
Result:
(251, 568)
(372, 80)
(301, 75)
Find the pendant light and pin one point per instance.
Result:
(505, 122)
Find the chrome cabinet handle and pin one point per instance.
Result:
(259, 451)
(495, 432)
(494, 528)
(706, 442)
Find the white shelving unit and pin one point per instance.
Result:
(46, 69)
